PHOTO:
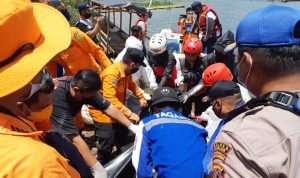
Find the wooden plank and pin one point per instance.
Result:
(108, 30)
(130, 19)
(121, 19)
(114, 15)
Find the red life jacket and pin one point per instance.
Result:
(186, 86)
(202, 19)
(143, 20)
(159, 71)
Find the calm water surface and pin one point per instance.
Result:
(230, 13)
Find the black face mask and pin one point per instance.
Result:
(218, 113)
(87, 16)
(134, 70)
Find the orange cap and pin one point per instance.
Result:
(31, 35)
(215, 72)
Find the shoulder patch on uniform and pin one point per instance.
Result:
(218, 170)
(222, 147)
(78, 36)
(219, 156)
(114, 82)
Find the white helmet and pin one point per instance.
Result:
(158, 44)
(133, 42)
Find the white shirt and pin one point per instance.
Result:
(146, 72)
(142, 25)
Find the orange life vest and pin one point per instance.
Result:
(188, 27)
(202, 19)
(194, 32)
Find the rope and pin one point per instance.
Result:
(150, 3)
(171, 18)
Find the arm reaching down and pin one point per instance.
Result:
(116, 114)
(185, 95)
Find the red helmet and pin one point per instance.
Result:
(192, 45)
(215, 72)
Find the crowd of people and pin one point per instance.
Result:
(207, 112)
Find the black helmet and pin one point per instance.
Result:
(164, 95)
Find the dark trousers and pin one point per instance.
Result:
(199, 106)
(107, 136)
(144, 50)
(66, 148)
(209, 43)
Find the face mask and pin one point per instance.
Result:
(134, 70)
(248, 74)
(217, 113)
(41, 115)
(87, 15)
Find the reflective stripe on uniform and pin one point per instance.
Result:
(155, 122)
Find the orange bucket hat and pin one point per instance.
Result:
(31, 35)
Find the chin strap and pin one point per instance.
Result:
(286, 100)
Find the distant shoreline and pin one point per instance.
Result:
(161, 5)
(166, 6)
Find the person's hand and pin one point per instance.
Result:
(98, 170)
(133, 128)
(99, 20)
(179, 81)
(198, 118)
(134, 117)
(153, 85)
(202, 55)
(205, 116)
(184, 97)
(154, 88)
(144, 103)
(147, 96)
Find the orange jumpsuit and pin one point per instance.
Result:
(24, 155)
(82, 53)
(114, 85)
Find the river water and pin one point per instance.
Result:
(230, 13)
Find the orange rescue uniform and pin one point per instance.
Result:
(24, 155)
(82, 53)
(114, 85)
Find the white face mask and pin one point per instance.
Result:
(244, 84)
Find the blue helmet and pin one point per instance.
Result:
(196, 4)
